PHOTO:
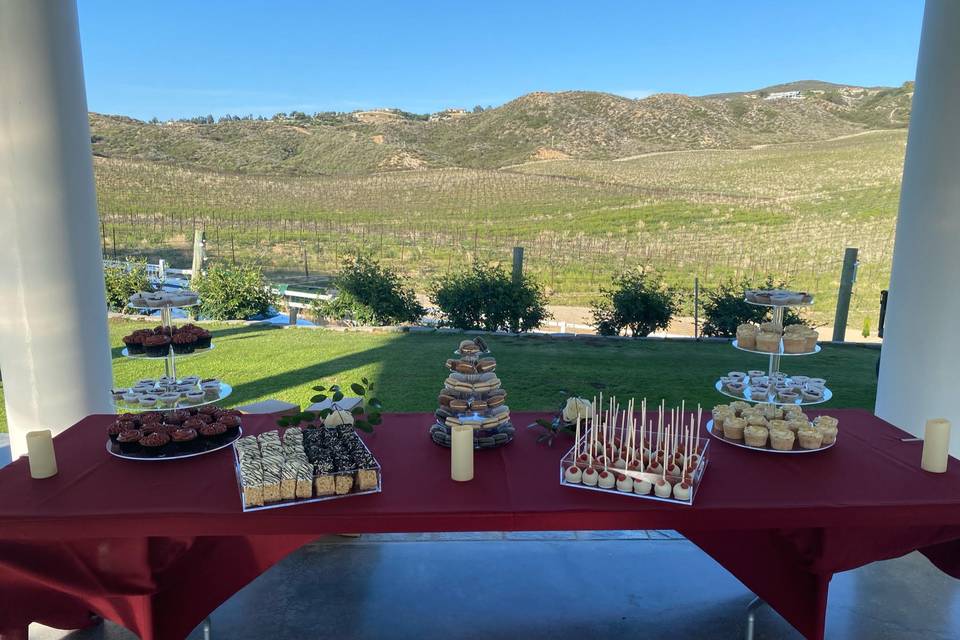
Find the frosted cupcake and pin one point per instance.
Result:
(747, 336)
(756, 420)
(829, 433)
(795, 343)
(768, 342)
(739, 406)
(782, 439)
(810, 438)
(733, 428)
(755, 436)
(771, 327)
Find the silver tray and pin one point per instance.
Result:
(768, 448)
(166, 458)
(142, 356)
(123, 407)
(776, 353)
(827, 394)
(296, 501)
(161, 307)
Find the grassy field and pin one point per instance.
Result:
(787, 209)
(264, 362)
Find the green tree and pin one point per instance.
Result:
(639, 301)
(233, 292)
(124, 280)
(370, 294)
(486, 297)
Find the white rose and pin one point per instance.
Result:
(577, 407)
(337, 418)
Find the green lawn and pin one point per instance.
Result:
(266, 362)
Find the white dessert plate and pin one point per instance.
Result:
(123, 407)
(768, 448)
(779, 306)
(827, 394)
(736, 345)
(142, 356)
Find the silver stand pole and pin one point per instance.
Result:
(752, 608)
(170, 364)
(774, 365)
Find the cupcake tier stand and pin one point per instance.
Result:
(773, 368)
(170, 367)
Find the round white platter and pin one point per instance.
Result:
(767, 449)
(736, 345)
(123, 407)
(183, 456)
(142, 356)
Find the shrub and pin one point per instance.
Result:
(232, 292)
(124, 280)
(724, 307)
(639, 301)
(369, 293)
(486, 297)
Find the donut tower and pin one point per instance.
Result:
(473, 396)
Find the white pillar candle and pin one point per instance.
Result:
(461, 453)
(936, 445)
(42, 457)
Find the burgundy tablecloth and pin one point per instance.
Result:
(157, 546)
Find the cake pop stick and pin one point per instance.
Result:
(576, 441)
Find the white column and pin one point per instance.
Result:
(54, 351)
(920, 365)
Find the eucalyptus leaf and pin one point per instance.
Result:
(334, 387)
(320, 397)
(358, 389)
(365, 381)
(337, 396)
(374, 403)
(357, 410)
(320, 388)
(363, 425)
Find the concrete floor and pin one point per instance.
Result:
(497, 586)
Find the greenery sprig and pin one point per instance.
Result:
(366, 415)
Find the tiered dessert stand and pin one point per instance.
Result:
(491, 425)
(773, 369)
(170, 381)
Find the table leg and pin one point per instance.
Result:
(752, 608)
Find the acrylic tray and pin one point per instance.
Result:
(296, 501)
(697, 478)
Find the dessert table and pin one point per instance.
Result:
(156, 547)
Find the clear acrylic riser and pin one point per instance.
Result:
(772, 399)
(183, 403)
(696, 478)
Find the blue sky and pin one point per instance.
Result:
(183, 58)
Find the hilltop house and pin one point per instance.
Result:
(783, 95)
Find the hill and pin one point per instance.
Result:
(537, 126)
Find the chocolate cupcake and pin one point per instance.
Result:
(194, 423)
(185, 440)
(117, 428)
(134, 344)
(129, 441)
(155, 444)
(232, 423)
(209, 409)
(184, 342)
(156, 346)
(177, 417)
(203, 338)
(214, 433)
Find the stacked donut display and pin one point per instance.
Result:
(472, 395)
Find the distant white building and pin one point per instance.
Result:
(783, 95)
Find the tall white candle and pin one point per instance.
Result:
(43, 459)
(461, 453)
(936, 445)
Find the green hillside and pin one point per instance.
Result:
(574, 124)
